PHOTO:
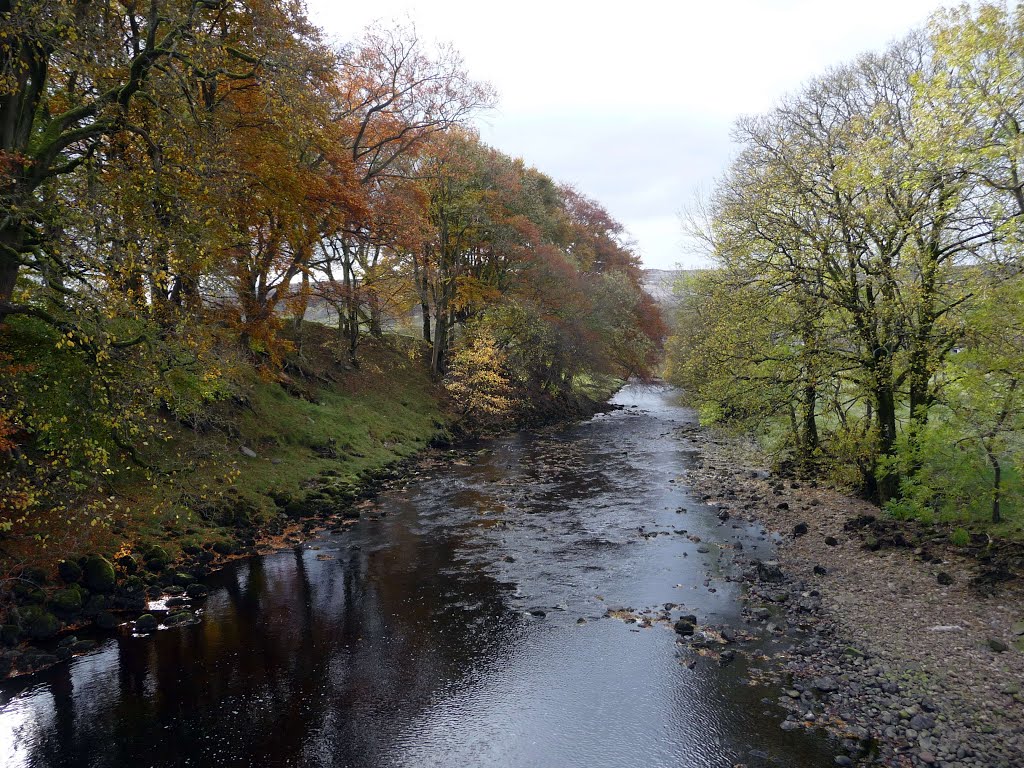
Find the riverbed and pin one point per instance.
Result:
(508, 605)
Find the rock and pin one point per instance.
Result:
(800, 529)
(820, 570)
(1017, 628)
(98, 574)
(38, 623)
(997, 645)
(927, 757)
(179, 617)
(105, 620)
(843, 760)
(782, 505)
(133, 585)
(769, 572)
(70, 572)
(146, 623)
(684, 628)
(67, 602)
(247, 451)
(922, 722)
(831, 541)
(156, 559)
(703, 549)
(944, 579)
(83, 646)
(127, 564)
(197, 590)
(825, 684)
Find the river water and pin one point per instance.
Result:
(462, 622)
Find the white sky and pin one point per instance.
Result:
(633, 102)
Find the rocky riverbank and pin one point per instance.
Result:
(909, 649)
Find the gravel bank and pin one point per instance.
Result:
(902, 649)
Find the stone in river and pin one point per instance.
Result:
(684, 628)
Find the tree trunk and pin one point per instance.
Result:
(889, 479)
(425, 309)
(11, 239)
(809, 427)
(997, 485)
(439, 358)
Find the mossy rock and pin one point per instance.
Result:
(146, 623)
(128, 564)
(28, 594)
(95, 604)
(69, 571)
(106, 620)
(183, 579)
(98, 574)
(67, 602)
(133, 585)
(225, 547)
(156, 558)
(179, 617)
(38, 623)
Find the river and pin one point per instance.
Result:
(481, 614)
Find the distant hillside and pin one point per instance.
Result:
(660, 282)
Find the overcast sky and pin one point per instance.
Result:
(632, 103)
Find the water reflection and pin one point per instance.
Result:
(442, 632)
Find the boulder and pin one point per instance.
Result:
(67, 602)
(146, 623)
(156, 559)
(684, 628)
(69, 571)
(769, 572)
(38, 623)
(98, 574)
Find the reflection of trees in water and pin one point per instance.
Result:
(299, 659)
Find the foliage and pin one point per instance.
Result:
(183, 183)
(865, 308)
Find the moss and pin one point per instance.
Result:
(98, 574)
(38, 623)
(67, 602)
